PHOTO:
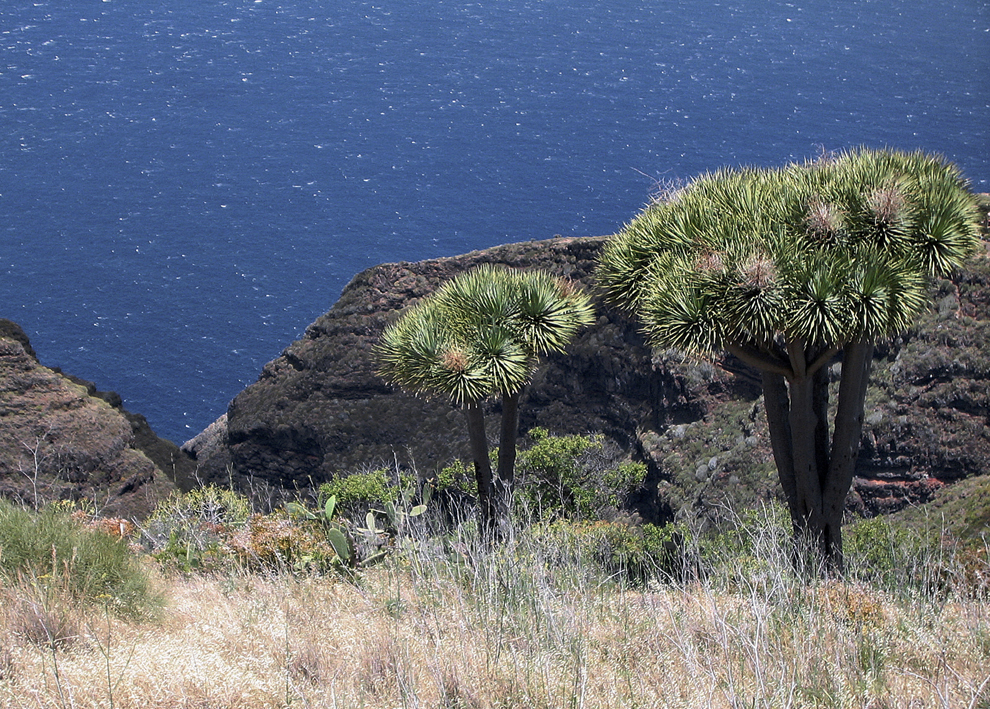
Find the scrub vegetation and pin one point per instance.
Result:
(210, 603)
(523, 579)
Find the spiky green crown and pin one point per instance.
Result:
(481, 333)
(823, 252)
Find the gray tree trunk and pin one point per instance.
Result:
(816, 470)
(478, 439)
(507, 452)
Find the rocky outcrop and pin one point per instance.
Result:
(60, 438)
(319, 410)
(928, 415)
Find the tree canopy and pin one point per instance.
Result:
(481, 333)
(825, 252)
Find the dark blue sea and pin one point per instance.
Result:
(186, 184)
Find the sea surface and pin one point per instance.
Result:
(186, 184)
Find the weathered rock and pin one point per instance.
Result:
(62, 439)
(319, 410)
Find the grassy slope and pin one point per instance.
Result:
(962, 509)
(519, 629)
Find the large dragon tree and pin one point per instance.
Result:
(480, 335)
(789, 269)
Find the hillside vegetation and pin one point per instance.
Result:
(260, 611)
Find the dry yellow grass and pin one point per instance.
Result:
(506, 633)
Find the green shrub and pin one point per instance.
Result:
(582, 477)
(633, 552)
(356, 493)
(894, 556)
(189, 531)
(51, 549)
(456, 477)
(575, 476)
(756, 532)
(205, 505)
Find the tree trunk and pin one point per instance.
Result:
(778, 408)
(804, 425)
(507, 452)
(482, 467)
(816, 472)
(856, 364)
(819, 402)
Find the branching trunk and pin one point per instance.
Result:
(777, 406)
(856, 364)
(804, 425)
(816, 470)
(482, 466)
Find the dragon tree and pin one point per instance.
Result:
(481, 335)
(790, 270)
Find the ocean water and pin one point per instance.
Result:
(185, 185)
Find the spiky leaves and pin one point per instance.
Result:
(481, 333)
(785, 268)
(478, 335)
(826, 252)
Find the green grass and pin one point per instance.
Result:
(52, 550)
(964, 509)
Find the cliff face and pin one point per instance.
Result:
(319, 410)
(62, 439)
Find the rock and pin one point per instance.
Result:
(209, 450)
(62, 439)
(319, 410)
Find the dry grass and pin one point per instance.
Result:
(506, 630)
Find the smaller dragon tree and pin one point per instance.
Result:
(480, 335)
(789, 269)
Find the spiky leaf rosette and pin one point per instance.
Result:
(481, 333)
(825, 252)
(422, 354)
(551, 311)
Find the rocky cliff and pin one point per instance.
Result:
(60, 438)
(319, 410)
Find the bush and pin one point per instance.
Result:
(754, 533)
(574, 476)
(920, 557)
(189, 531)
(52, 550)
(577, 477)
(456, 479)
(633, 552)
(210, 505)
(212, 529)
(275, 542)
(358, 492)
